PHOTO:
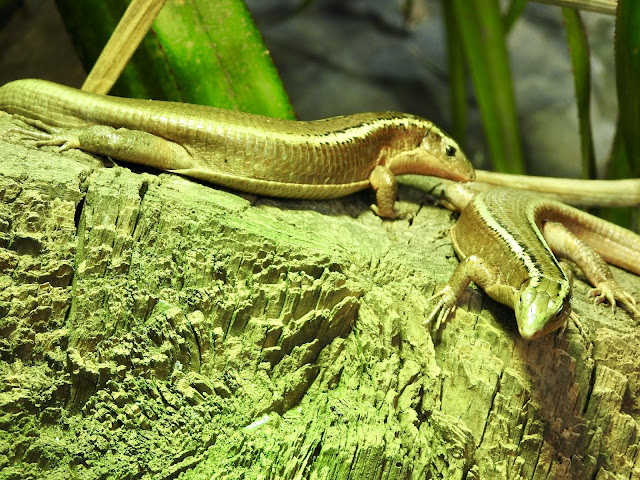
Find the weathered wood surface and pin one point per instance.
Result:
(153, 327)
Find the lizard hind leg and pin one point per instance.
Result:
(32, 122)
(565, 244)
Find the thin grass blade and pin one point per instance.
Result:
(516, 7)
(580, 62)
(481, 28)
(457, 76)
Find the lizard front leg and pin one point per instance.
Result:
(565, 244)
(383, 181)
(470, 269)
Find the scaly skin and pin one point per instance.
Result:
(506, 240)
(282, 158)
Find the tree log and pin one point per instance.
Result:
(155, 327)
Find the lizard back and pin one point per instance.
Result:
(337, 151)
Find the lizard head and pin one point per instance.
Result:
(436, 154)
(446, 156)
(542, 306)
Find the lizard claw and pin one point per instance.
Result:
(46, 135)
(445, 306)
(606, 291)
(391, 214)
(65, 142)
(385, 213)
(611, 292)
(573, 316)
(602, 294)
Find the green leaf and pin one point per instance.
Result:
(516, 7)
(579, 53)
(457, 77)
(481, 28)
(619, 169)
(627, 54)
(205, 52)
(625, 153)
(90, 24)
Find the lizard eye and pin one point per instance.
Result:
(450, 150)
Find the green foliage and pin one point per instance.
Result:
(206, 52)
(625, 153)
(457, 75)
(627, 51)
(516, 7)
(473, 27)
(579, 53)
(481, 29)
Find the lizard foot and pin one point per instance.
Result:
(391, 214)
(445, 306)
(573, 317)
(46, 135)
(582, 329)
(609, 291)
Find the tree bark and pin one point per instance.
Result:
(154, 327)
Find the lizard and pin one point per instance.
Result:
(319, 159)
(326, 158)
(507, 241)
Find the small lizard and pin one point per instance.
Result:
(327, 158)
(506, 240)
